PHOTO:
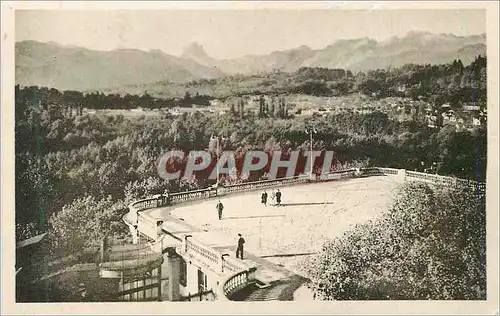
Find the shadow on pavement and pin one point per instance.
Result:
(289, 255)
(306, 203)
(244, 217)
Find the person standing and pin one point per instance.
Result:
(239, 249)
(219, 208)
(278, 197)
(263, 198)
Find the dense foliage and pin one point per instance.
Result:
(451, 83)
(75, 171)
(76, 100)
(430, 245)
(61, 157)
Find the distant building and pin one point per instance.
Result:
(174, 111)
(214, 102)
(30, 262)
(27, 251)
(470, 108)
(449, 117)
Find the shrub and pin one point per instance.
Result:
(430, 245)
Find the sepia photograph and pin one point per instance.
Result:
(198, 154)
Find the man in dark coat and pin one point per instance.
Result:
(219, 208)
(263, 198)
(239, 249)
(278, 197)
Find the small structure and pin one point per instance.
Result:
(30, 251)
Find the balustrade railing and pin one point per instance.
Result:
(190, 195)
(388, 171)
(249, 186)
(238, 275)
(233, 284)
(198, 249)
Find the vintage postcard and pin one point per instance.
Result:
(250, 157)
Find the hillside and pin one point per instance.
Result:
(75, 68)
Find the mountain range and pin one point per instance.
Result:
(76, 68)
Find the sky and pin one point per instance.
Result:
(235, 33)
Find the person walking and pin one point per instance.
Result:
(263, 198)
(278, 197)
(239, 249)
(219, 208)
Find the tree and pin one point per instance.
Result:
(85, 222)
(430, 245)
(273, 107)
(262, 109)
(242, 108)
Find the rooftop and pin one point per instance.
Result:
(31, 241)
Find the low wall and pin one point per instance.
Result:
(235, 276)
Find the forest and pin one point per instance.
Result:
(452, 83)
(76, 100)
(76, 172)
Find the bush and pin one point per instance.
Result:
(430, 245)
(85, 222)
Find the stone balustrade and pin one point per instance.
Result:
(202, 251)
(232, 284)
(235, 275)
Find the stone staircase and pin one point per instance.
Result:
(281, 290)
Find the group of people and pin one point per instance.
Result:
(275, 196)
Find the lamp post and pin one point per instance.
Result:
(311, 131)
(218, 139)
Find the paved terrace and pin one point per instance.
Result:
(278, 239)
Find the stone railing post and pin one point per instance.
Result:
(135, 235)
(401, 175)
(251, 274)
(185, 248)
(222, 261)
(104, 249)
(159, 200)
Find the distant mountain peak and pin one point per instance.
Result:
(195, 51)
(304, 47)
(47, 64)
